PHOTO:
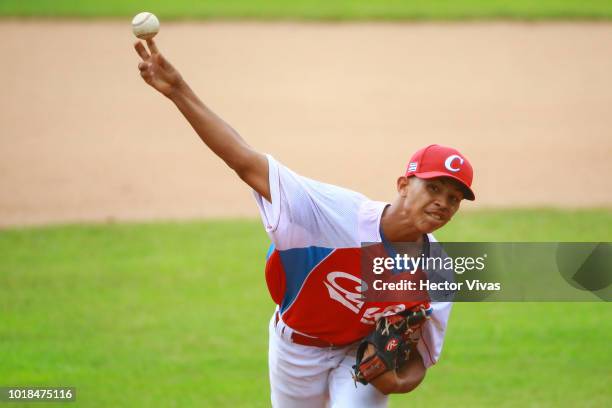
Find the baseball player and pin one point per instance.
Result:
(316, 357)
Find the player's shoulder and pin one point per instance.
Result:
(369, 216)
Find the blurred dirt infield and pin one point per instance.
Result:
(83, 138)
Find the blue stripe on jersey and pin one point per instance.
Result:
(270, 250)
(298, 263)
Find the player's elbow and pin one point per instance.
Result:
(240, 163)
(387, 389)
(252, 168)
(411, 382)
(247, 162)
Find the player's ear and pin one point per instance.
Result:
(402, 184)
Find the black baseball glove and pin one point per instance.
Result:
(391, 341)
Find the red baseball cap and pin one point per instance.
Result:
(441, 161)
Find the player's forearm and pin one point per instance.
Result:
(224, 141)
(250, 165)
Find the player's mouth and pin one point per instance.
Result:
(436, 216)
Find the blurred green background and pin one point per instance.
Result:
(317, 9)
(175, 314)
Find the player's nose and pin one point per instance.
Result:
(442, 205)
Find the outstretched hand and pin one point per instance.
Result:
(156, 70)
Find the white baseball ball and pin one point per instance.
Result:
(145, 25)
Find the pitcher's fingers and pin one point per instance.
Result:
(146, 75)
(161, 61)
(141, 50)
(152, 46)
(143, 66)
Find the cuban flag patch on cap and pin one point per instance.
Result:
(412, 166)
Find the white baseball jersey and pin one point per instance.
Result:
(312, 269)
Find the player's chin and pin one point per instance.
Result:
(430, 224)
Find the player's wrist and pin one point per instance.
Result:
(178, 90)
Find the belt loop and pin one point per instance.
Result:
(279, 330)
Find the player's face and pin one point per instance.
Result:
(431, 203)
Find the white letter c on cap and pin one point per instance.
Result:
(449, 163)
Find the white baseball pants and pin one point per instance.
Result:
(312, 377)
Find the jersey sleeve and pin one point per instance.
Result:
(304, 212)
(432, 334)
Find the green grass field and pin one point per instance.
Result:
(317, 9)
(175, 315)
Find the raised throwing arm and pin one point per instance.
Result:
(250, 165)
